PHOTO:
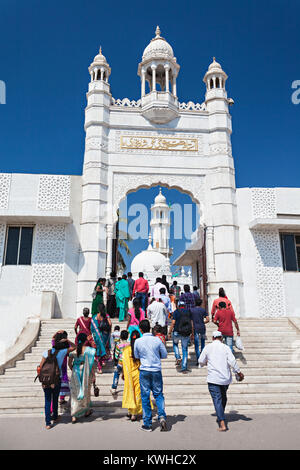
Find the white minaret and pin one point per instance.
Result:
(160, 225)
(96, 234)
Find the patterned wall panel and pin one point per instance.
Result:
(54, 193)
(48, 258)
(264, 202)
(269, 274)
(5, 179)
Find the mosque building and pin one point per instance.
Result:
(57, 231)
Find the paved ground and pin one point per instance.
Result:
(277, 431)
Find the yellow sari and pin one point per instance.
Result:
(132, 392)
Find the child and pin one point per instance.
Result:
(158, 331)
(115, 338)
(118, 360)
(116, 334)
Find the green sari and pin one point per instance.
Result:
(98, 299)
(122, 297)
(81, 381)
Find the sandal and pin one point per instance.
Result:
(133, 418)
(74, 420)
(88, 413)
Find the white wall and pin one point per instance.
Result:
(52, 203)
(268, 290)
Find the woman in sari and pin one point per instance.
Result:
(131, 375)
(135, 316)
(122, 297)
(81, 362)
(100, 328)
(98, 296)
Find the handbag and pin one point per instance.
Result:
(94, 294)
(239, 343)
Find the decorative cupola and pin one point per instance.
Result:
(99, 68)
(216, 95)
(159, 70)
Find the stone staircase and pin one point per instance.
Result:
(272, 380)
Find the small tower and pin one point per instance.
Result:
(159, 69)
(216, 95)
(99, 68)
(160, 225)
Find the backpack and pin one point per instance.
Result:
(185, 323)
(49, 374)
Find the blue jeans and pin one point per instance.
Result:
(197, 337)
(219, 398)
(152, 382)
(184, 344)
(117, 373)
(229, 341)
(51, 394)
(142, 297)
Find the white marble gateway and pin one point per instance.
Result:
(56, 231)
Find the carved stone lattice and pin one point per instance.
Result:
(264, 202)
(216, 149)
(48, 258)
(192, 185)
(192, 106)
(54, 193)
(126, 102)
(96, 143)
(5, 179)
(269, 274)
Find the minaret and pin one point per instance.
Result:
(94, 230)
(222, 226)
(160, 225)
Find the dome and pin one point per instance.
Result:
(148, 261)
(215, 67)
(160, 198)
(158, 48)
(100, 58)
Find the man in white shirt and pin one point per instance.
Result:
(219, 360)
(157, 313)
(156, 288)
(166, 299)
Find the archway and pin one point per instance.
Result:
(192, 256)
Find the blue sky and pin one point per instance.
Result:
(46, 48)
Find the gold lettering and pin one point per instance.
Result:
(158, 143)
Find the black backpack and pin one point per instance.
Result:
(49, 373)
(185, 323)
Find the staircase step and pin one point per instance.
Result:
(272, 381)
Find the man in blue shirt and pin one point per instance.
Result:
(199, 318)
(150, 350)
(181, 329)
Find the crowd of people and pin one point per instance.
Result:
(150, 317)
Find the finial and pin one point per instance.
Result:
(214, 59)
(157, 31)
(100, 50)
